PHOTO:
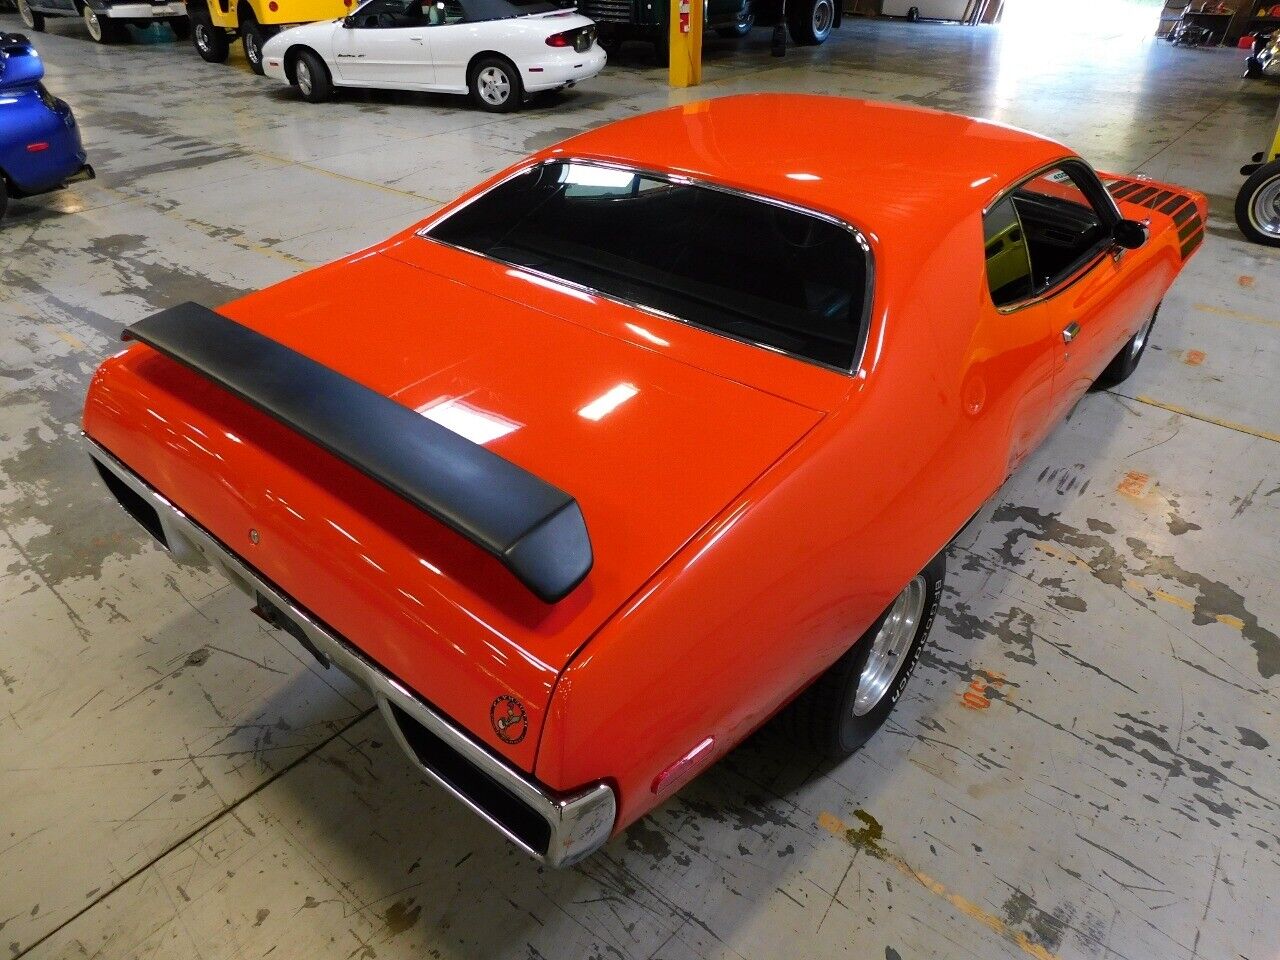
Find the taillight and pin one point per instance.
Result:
(561, 39)
(37, 147)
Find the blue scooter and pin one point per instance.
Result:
(40, 147)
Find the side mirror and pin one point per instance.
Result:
(1129, 234)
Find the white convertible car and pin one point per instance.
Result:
(496, 50)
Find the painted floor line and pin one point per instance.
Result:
(1204, 417)
(1236, 315)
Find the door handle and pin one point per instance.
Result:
(416, 39)
(1070, 332)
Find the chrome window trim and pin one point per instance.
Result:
(864, 327)
(1072, 278)
(580, 823)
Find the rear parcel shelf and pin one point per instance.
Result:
(536, 530)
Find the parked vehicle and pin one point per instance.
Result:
(496, 50)
(1264, 60)
(605, 463)
(809, 22)
(215, 23)
(107, 20)
(1257, 206)
(40, 147)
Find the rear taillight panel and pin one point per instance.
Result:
(580, 39)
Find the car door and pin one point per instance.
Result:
(385, 43)
(1065, 273)
(456, 41)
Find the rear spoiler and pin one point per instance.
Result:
(535, 529)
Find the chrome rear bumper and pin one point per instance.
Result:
(558, 829)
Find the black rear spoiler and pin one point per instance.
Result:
(535, 529)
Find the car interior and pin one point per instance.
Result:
(1038, 235)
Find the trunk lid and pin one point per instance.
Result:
(651, 447)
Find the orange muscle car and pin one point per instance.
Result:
(595, 470)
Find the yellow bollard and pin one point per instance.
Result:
(685, 40)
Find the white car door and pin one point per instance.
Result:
(455, 42)
(385, 43)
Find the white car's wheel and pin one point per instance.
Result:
(312, 78)
(495, 85)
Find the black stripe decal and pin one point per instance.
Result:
(1159, 198)
(1190, 227)
(1177, 201)
(1185, 214)
(1192, 242)
(1143, 195)
(1125, 190)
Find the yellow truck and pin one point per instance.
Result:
(215, 23)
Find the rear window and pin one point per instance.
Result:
(737, 265)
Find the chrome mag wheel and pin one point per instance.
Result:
(1264, 210)
(24, 11)
(823, 18)
(890, 646)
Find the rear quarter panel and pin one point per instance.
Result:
(794, 571)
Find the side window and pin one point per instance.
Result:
(1040, 234)
(392, 14)
(1008, 262)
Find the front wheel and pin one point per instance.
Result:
(312, 78)
(1258, 205)
(811, 21)
(210, 41)
(495, 85)
(101, 29)
(252, 37)
(33, 20)
(1126, 361)
(853, 698)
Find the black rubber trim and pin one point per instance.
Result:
(535, 529)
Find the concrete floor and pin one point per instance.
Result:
(1084, 765)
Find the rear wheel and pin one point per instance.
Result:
(312, 78)
(849, 702)
(810, 21)
(252, 37)
(33, 20)
(210, 41)
(495, 85)
(1258, 205)
(1126, 361)
(101, 29)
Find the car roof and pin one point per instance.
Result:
(883, 167)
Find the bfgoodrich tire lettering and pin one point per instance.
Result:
(827, 716)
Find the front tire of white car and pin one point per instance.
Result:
(312, 78)
(495, 85)
(33, 20)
